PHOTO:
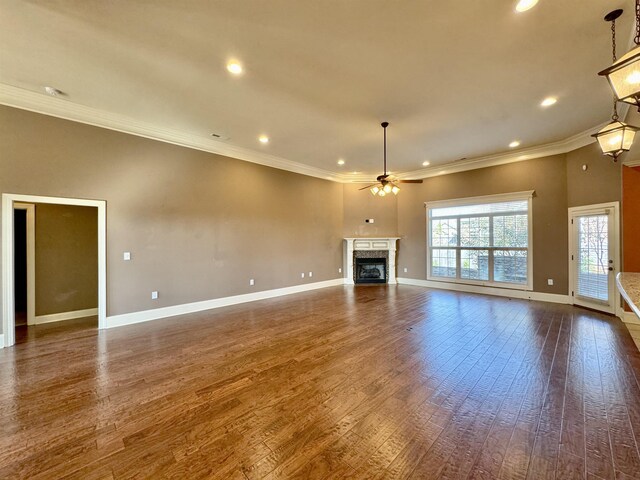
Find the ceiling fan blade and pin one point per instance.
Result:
(409, 181)
(368, 186)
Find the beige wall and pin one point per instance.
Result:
(66, 245)
(547, 176)
(600, 183)
(360, 204)
(198, 225)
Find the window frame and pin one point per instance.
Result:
(484, 199)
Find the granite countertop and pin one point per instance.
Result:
(629, 286)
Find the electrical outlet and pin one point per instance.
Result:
(549, 281)
(302, 275)
(369, 220)
(310, 274)
(154, 295)
(406, 269)
(126, 256)
(252, 282)
(340, 270)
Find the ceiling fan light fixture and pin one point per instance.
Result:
(386, 183)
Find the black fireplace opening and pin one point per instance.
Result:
(371, 270)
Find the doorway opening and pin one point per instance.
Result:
(594, 256)
(24, 267)
(71, 265)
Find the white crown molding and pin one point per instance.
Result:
(61, 108)
(635, 162)
(574, 142)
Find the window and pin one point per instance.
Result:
(481, 240)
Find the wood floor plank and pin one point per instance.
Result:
(341, 383)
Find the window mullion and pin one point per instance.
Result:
(490, 266)
(458, 256)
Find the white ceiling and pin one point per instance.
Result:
(454, 79)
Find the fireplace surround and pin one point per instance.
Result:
(378, 253)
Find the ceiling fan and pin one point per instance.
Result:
(386, 183)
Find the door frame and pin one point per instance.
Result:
(30, 208)
(615, 236)
(9, 201)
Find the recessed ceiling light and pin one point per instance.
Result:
(341, 162)
(524, 5)
(426, 164)
(54, 92)
(234, 67)
(263, 139)
(547, 102)
(514, 144)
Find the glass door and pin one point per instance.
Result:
(593, 236)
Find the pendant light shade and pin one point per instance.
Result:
(616, 138)
(624, 74)
(624, 78)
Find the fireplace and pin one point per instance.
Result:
(370, 270)
(370, 260)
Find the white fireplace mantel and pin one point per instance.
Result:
(364, 243)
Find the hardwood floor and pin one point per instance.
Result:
(340, 383)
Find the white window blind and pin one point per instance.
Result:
(593, 256)
(481, 241)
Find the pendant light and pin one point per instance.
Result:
(616, 137)
(624, 74)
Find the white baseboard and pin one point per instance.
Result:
(158, 313)
(59, 317)
(1, 340)
(501, 292)
(630, 317)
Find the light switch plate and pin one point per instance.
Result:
(549, 281)
(252, 281)
(154, 295)
(127, 255)
(310, 274)
(302, 275)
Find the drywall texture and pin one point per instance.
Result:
(66, 244)
(198, 225)
(600, 183)
(547, 176)
(360, 205)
